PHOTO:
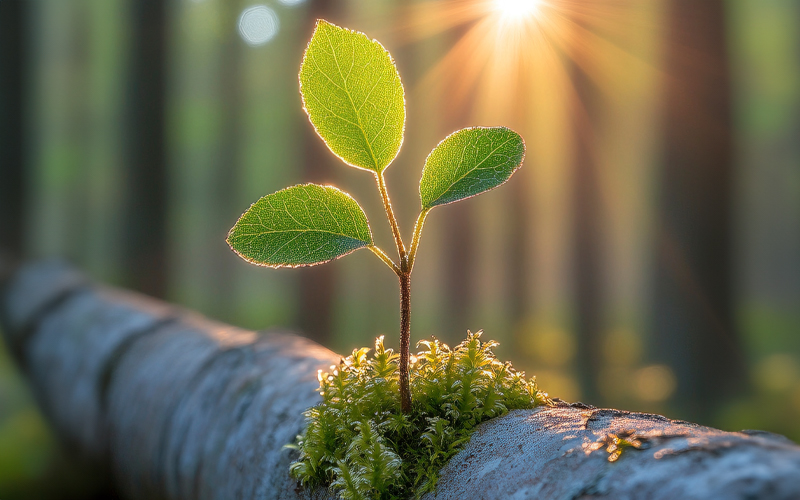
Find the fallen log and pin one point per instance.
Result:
(181, 407)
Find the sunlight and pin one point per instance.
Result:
(502, 50)
(517, 10)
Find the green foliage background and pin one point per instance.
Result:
(78, 85)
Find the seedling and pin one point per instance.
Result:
(354, 98)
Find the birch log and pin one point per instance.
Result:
(181, 407)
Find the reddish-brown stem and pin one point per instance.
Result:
(405, 337)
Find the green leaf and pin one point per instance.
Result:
(353, 96)
(301, 225)
(469, 162)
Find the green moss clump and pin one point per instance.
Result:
(358, 441)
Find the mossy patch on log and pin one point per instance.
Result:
(360, 444)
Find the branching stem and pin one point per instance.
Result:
(387, 205)
(412, 254)
(403, 272)
(386, 259)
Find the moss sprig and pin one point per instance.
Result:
(360, 444)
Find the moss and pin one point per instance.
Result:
(616, 444)
(360, 444)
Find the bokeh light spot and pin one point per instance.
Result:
(549, 344)
(622, 347)
(777, 373)
(655, 383)
(796, 400)
(558, 384)
(258, 25)
(291, 3)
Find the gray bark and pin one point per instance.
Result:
(182, 407)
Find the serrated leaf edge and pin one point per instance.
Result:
(292, 266)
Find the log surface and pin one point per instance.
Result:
(182, 407)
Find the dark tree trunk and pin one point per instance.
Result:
(227, 167)
(459, 233)
(458, 246)
(518, 263)
(13, 97)
(588, 217)
(519, 252)
(317, 284)
(587, 236)
(145, 209)
(521, 230)
(693, 323)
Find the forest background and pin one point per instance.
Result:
(646, 256)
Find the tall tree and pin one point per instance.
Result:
(459, 232)
(519, 255)
(518, 263)
(145, 225)
(317, 285)
(693, 325)
(458, 243)
(588, 258)
(226, 171)
(13, 96)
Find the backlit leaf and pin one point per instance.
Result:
(300, 226)
(353, 96)
(469, 162)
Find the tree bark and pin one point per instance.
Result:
(181, 407)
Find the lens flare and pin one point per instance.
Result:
(511, 61)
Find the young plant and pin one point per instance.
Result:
(353, 96)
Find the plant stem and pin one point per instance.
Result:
(412, 253)
(387, 205)
(386, 259)
(404, 273)
(405, 339)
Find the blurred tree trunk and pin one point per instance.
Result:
(317, 284)
(458, 245)
(226, 171)
(459, 234)
(587, 237)
(693, 321)
(144, 248)
(13, 97)
(521, 231)
(518, 263)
